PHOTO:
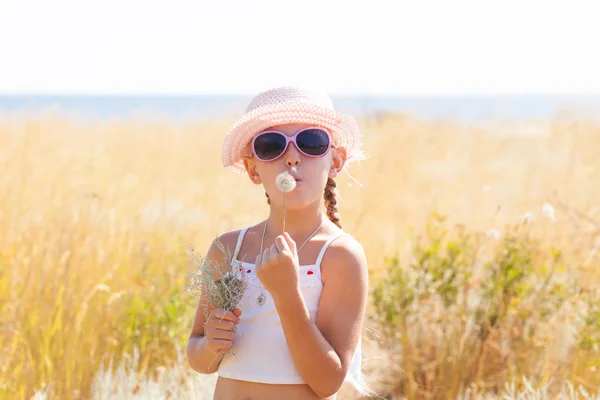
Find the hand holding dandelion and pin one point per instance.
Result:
(278, 267)
(286, 183)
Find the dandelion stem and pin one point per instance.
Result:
(286, 183)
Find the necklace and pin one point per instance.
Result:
(261, 299)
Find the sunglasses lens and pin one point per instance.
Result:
(314, 142)
(269, 145)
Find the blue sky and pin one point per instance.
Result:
(368, 47)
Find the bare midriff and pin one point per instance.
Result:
(232, 389)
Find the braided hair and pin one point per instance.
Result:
(330, 202)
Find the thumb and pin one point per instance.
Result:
(237, 312)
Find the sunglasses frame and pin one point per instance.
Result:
(292, 138)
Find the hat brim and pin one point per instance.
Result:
(344, 129)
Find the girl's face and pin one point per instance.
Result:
(311, 173)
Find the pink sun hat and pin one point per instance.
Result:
(290, 105)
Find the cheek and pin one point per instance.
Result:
(268, 173)
(319, 173)
(324, 166)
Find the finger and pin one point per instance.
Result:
(221, 314)
(216, 325)
(281, 244)
(237, 312)
(274, 250)
(258, 261)
(221, 334)
(291, 243)
(258, 266)
(266, 256)
(225, 325)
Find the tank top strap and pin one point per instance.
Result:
(238, 245)
(326, 245)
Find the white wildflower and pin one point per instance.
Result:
(493, 234)
(548, 212)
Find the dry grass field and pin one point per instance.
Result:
(93, 216)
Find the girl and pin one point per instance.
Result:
(297, 332)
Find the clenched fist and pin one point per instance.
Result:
(220, 328)
(278, 267)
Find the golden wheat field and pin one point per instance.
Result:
(93, 216)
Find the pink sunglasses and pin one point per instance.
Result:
(270, 145)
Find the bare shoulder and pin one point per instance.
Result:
(228, 239)
(222, 247)
(345, 256)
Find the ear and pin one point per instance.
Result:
(338, 160)
(250, 166)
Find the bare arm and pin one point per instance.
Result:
(204, 348)
(322, 352)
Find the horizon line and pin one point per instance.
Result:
(332, 94)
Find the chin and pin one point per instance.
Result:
(299, 201)
(296, 204)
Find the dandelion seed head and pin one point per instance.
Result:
(285, 182)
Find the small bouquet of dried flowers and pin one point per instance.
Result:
(224, 284)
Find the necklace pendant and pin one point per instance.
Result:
(261, 299)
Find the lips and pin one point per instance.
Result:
(293, 173)
(296, 177)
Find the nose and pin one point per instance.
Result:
(292, 156)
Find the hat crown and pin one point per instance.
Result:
(291, 94)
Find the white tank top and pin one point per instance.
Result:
(260, 351)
